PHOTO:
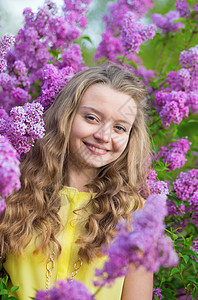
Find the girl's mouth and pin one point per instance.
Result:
(95, 150)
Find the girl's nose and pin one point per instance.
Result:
(104, 133)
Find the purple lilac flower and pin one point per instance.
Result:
(76, 11)
(195, 248)
(11, 94)
(24, 125)
(185, 80)
(110, 47)
(20, 71)
(146, 75)
(186, 184)
(143, 244)
(157, 292)
(134, 34)
(156, 186)
(5, 43)
(194, 200)
(54, 80)
(174, 154)
(72, 57)
(192, 101)
(9, 170)
(178, 81)
(165, 22)
(171, 106)
(183, 8)
(121, 8)
(43, 33)
(189, 58)
(62, 290)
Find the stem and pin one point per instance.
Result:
(192, 34)
(98, 290)
(160, 56)
(167, 62)
(159, 119)
(188, 294)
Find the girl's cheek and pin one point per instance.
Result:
(120, 142)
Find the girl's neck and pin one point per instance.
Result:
(79, 177)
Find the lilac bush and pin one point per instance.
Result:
(174, 154)
(9, 170)
(23, 126)
(62, 290)
(143, 244)
(166, 22)
(5, 43)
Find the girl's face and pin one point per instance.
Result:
(101, 127)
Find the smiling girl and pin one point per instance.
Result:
(77, 183)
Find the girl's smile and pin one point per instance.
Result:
(101, 126)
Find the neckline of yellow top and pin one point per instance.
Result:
(74, 193)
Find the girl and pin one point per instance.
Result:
(77, 183)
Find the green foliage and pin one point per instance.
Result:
(5, 292)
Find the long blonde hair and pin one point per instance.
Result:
(35, 207)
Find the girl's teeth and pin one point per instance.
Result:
(97, 149)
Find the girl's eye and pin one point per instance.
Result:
(91, 118)
(120, 128)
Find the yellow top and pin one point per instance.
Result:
(29, 271)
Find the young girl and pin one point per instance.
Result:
(76, 184)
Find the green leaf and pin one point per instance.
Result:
(54, 52)
(87, 38)
(186, 258)
(179, 20)
(133, 64)
(174, 271)
(182, 267)
(192, 121)
(4, 292)
(14, 289)
(12, 298)
(174, 236)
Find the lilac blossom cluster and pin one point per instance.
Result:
(23, 126)
(185, 8)
(189, 58)
(174, 154)
(157, 292)
(171, 106)
(134, 34)
(62, 290)
(42, 30)
(195, 248)
(143, 244)
(185, 80)
(53, 81)
(165, 22)
(186, 184)
(156, 186)
(75, 11)
(121, 8)
(5, 43)
(46, 36)
(186, 189)
(9, 170)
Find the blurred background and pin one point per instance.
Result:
(11, 15)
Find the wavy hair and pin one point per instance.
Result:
(34, 209)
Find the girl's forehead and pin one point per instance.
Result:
(105, 100)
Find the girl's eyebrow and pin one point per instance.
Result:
(101, 114)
